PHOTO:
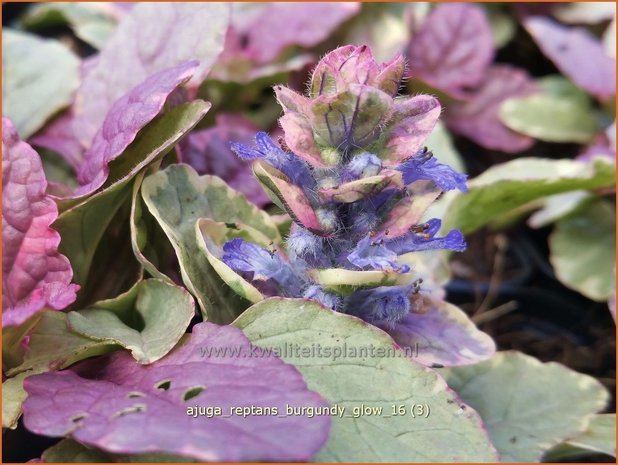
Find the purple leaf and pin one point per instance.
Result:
(130, 408)
(417, 117)
(454, 47)
(304, 24)
(441, 334)
(58, 136)
(127, 116)
(34, 274)
(577, 53)
(151, 38)
(208, 151)
(478, 119)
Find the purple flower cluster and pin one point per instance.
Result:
(353, 174)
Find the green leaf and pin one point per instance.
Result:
(583, 250)
(557, 85)
(558, 206)
(558, 114)
(69, 451)
(211, 236)
(12, 336)
(147, 239)
(509, 185)
(92, 22)
(383, 25)
(503, 24)
(13, 396)
(449, 432)
(600, 437)
(54, 346)
(82, 226)
(344, 281)
(38, 79)
(149, 319)
(177, 197)
(526, 405)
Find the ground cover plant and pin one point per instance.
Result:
(324, 232)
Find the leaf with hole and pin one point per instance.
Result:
(136, 409)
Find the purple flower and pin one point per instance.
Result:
(374, 255)
(262, 265)
(328, 299)
(347, 172)
(380, 305)
(423, 238)
(424, 166)
(297, 170)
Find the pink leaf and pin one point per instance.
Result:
(292, 198)
(408, 212)
(34, 274)
(454, 47)
(58, 136)
(125, 407)
(305, 24)
(127, 116)
(577, 53)
(151, 37)
(478, 119)
(417, 117)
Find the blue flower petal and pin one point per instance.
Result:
(423, 239)
(376, 256)
(327, 299)
(423, 165)
(246, 257)
(290, 165)
(385, 305)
